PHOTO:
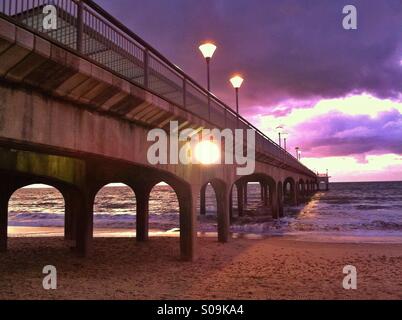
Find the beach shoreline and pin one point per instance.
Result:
(266, 268)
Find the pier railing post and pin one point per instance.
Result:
(184, 93)
(80, 26)
(146, 68)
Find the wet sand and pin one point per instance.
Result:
(270, 268)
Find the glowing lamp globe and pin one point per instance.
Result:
(207, 50)
(207, 152)
(236, 81)
(279, 129)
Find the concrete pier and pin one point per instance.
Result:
(75, 123)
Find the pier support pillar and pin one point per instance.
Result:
(273, 201)
(245, 194)
(240, 199)
(302, 193)
(280, 199)
(222, 200)
(142, 194)
(231, 204)
(70, 215)
(262, 191)
(294, 196)
(84, 219)
(188, 228)
(4, 197)
(266, 195)
(202, 199)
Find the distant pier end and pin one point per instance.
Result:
(323, 181)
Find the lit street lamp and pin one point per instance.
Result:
(236, 83)
(297, 153)
(208, 50)
(284, 135)
(279, 129)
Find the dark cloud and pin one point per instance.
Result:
(287, 49)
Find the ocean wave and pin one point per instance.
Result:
(371, 207)
(346, 209)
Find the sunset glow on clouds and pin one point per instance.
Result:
(337, 92)
(375, 167)
(356, 138)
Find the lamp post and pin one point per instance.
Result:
(208, 49)
(284, 136)
(279, 129)
(299, 155)
(236, 83)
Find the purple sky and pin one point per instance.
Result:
(294, 55)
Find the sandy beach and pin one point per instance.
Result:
(270, 268)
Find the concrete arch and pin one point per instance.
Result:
(131, 195)
(80, 181)
(290, 191)
(186, 197)
(302, 187)
(269, 191)
(61, 191)
(12, 181)
(302, 190)
(166, 198)
(222, 194)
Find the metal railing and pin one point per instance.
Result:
(85, 28)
